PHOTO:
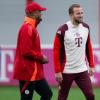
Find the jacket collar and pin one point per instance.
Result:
(30, 21)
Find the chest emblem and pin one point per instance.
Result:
(78, 39)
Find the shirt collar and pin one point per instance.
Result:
(72, 25)
(30, 21)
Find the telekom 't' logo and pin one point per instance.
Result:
(78, 41)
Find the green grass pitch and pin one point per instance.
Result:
(12, 93)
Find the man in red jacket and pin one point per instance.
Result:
(28, 65)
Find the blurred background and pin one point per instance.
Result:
(12, 13)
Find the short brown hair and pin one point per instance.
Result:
(72, 7)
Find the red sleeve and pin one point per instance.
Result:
(26, 44)
(57, 47)
(89, 52)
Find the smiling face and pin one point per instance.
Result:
(77, 15)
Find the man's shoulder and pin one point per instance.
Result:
(27, 26)
(85, 25)
(62, 28)
(24, 26)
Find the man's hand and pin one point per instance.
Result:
(91, 71)
(45, 59)
(59, 77)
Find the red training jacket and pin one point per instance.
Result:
(28, 59)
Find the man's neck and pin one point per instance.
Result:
(75, 23)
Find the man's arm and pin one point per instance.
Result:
(89, 54)
(59, 52)
(26, 47)
(56, 49)
(57, 67)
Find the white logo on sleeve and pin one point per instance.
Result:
(59, 32)
(27, 92)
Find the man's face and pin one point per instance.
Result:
(77, 15)
(37, 14)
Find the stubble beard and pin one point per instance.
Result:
(39, 19)
(79, 21)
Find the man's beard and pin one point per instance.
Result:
(78, 21)
(39, 19)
